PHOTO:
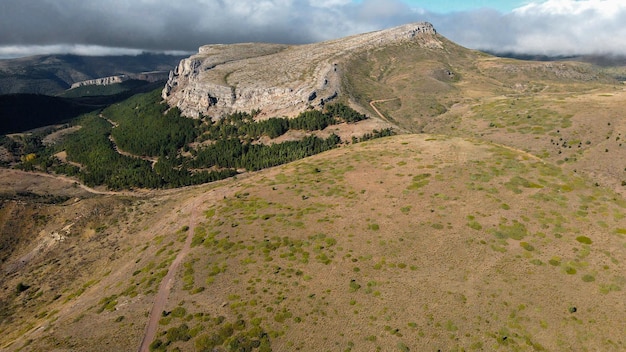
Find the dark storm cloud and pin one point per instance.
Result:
(83, 26)
(174, 25)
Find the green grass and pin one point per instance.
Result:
(419, 181)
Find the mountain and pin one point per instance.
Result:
(495, 220)
(284, 80)
(53, 74)
(276, 79)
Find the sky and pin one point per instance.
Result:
(97, 27)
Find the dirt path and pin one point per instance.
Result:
(121, 152)
(65, 179)
(165, 287)
(523, 152)
(520, 151)
(378, 111)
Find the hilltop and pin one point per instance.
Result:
(494, 220)
(277, 79)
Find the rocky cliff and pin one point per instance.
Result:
(280, 80)
(53, 74)
(104, 81)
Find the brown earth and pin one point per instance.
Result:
(502, 227)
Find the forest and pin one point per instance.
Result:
(162, 149)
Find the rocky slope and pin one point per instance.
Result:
(277, 79)
(105, 81)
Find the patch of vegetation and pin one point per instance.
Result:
(473, 224)
(527, 246)
(522, 115)
(419, 181)
(584, 240)
(516, 231)
(516, 182)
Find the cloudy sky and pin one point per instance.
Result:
(96, 27)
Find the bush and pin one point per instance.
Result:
(21, 287)
(180, 333)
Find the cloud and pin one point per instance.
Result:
(176, 25)
(541, 27)
(13, 51)
(553, 27)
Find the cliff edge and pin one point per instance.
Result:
(279, 80)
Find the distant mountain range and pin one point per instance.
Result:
(53, 74)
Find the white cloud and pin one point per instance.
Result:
(604, 8)
(329, 3)
(552, 27)
(13, 51)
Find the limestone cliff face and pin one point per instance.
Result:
(104, 81)
(280, 80)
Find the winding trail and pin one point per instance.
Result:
(165, 287)
(67, 179)
(378, 111)
(513, 149)
(121, 152)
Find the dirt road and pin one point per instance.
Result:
(20, 173)
(165, 287)
(121, 152)
(378, 111)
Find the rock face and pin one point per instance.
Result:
(280, 80)
(105, 81)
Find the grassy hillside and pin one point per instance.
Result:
(497, 223)
(414, 86)
(567, 113)
(23, 112)
(405, 243)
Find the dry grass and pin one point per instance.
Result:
(351, 249)
(490, 233)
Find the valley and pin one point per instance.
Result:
(443, 199)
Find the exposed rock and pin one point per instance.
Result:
(53, 74)
(280, 80)
(104, 81)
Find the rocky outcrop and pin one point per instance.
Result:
(279, 80)
(105, 81)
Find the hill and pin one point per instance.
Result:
(278, 79)
(414, 241)
(23, 112)
(495, 221)
(53, 74)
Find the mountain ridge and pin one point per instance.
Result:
(277, 79)
(53, 74)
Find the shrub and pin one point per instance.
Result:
(21, 287)
(180, 333)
